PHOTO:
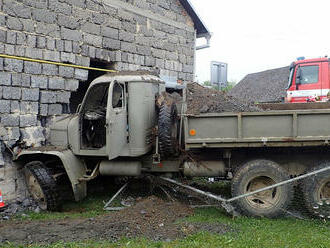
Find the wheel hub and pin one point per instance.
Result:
(264, 199)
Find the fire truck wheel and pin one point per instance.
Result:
(168, 130)
(258, 174)
(316, 191)
(42, 186)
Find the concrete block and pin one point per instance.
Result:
(28, 25)
(71, 84)
(30, 94)
(54, 109)
(32, 67)
(84, 61)
(20, 51)
(11, 37)
(50, 44)
(56, 83)
(68, 34)
(81, 74)
(3, 36)
(126, 36)
(52, 30)
(93, 40)
(112, 44)
(63, 97)
(68, 21)
(4, 106)
(51, 70)
(52, 55)
(43, 109)
(27, 120)
(40, 82)
(60, 45)
(14, 23)
(76, 48)
(91, 28)
(26, 80)
(68, 57)
(128, 47)
(31, 41)
(47, 96)
(34, 53)
(110, 32)
(41, 42)
(43, 15)
(10, 120)
(66, 72)
(68, 46)
(60, 7)
(99, 18)
(13, 65)
(15, 107)
(29, 107)
(9, 49)
(13, 93)
(5, 78)
(150, 61)
(144, 50)
(21, 39)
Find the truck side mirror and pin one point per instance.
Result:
(298, 77)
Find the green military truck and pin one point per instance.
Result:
(128, 126)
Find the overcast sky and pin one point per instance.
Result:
(256, 35)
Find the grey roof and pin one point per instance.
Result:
(200, 27)
(265, 86)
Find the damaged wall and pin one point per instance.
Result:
(129, 35)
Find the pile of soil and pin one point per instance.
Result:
(204, 100)
(265, 86)
(150, 218)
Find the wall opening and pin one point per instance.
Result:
(78, 96)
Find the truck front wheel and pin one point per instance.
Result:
(316, 190)
(42, 186)
(259, 174)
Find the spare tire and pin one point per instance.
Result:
(168, 130)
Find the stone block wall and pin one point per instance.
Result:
(126, 34)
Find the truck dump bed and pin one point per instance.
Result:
(280, 128)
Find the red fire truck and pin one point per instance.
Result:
(309, 80)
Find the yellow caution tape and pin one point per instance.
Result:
(54, 63)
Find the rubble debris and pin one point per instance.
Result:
(262, 87)
(204, 100)
(151, 218)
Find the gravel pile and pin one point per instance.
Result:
(204, 100)
(265, 86)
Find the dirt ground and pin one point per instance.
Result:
(204, 100)
(150, 217)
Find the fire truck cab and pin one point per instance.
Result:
(309, 80)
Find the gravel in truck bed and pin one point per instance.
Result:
(265, 86)
(205, 100)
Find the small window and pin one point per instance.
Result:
(309, 74)
(118, 96)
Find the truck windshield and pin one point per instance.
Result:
(290, 78)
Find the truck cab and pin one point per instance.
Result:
(309, 80)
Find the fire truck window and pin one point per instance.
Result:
(118, 96)
(309, 74)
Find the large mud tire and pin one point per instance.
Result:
(168, 130)
(316, 191)
(42, 186)
(258, 174)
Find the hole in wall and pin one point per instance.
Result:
(78, 96)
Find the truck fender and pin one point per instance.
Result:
(74, 168)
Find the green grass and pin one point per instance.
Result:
(247, 232)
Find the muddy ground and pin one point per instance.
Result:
(151, 217)
(204, 100)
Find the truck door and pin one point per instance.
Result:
(308, 82)
(116, 120)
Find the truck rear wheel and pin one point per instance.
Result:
(316, 191)
(168, 129)
(42, 186)
(258, 174)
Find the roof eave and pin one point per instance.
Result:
(201, 29)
